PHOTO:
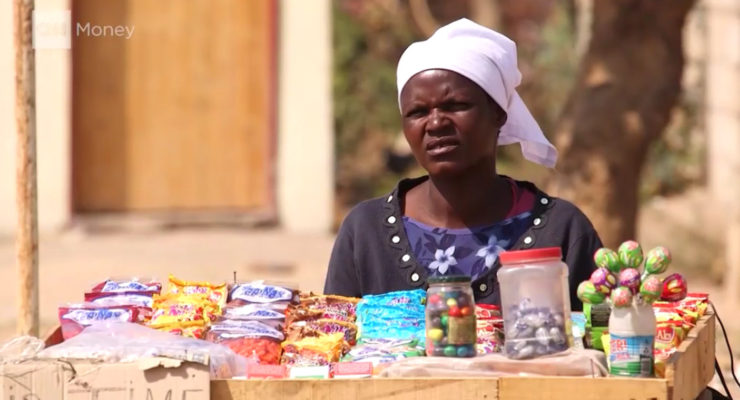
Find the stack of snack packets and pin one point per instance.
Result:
(674, 321)
(253, 321)
(187, 308)
(391, 327)
(319, 330)
(125, 300)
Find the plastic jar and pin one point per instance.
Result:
(535, 302)
(631, 340)
(450, 317)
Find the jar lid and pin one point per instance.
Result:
(520, 256)
(448, 279)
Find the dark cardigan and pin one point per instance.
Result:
(372, 254)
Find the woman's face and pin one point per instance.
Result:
(451, 124)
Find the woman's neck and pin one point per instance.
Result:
(473, 199)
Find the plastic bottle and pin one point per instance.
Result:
(631, 340)
(535, 301)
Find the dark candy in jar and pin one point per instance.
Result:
(534, 331)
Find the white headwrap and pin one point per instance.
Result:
(487, 58)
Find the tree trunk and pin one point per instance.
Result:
(628, 83)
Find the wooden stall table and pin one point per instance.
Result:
(688, 371)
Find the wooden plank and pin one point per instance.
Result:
(691, 368)
(356, 389)
(179, 116)
(27, 241)
(560, 387)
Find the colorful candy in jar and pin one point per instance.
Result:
(657, 261)
(630, 254)
(609, 259)
(588, 293)
(674, 288)
(651, 289)
(621, 297)
(630, 278)
(603, 280)
(450, 318)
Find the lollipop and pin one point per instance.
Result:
(603, 280)
(674, 288)
(630, 254)
(588, 293)
(609, 259)
(657, 261)
(651, 289)
(630, 278)
(621, 297)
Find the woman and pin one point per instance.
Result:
(456, 93)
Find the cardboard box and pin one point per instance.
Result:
(152, 379)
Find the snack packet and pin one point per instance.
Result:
(258, 292)
(191, 329)
(127, 285)
(178, 308)
(255, 312)
(312, 328)
(215, 293)
(139, 299)
(383, 351)
(254, 340)
(73, 318)
(313, 351)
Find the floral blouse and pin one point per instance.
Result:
(468, 251)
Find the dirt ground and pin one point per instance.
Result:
(73, 261)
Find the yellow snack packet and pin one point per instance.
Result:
(215, 293)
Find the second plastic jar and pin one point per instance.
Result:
(450, 317)
(535, 302)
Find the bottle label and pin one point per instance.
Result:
(462, 330)
(631, 355)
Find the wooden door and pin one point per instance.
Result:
(179, 116)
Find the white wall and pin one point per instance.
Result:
(53, 90)
(8, 213)
(305, 132)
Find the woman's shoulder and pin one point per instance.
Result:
(559, 211)
(382, 207)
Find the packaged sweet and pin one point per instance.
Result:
(258, 292)
(189, 329)
(487, 311)
(74, 318)
(213, 292)
(127, 285)
(408, 299)
(668, 334)
(661, 358)
(140, 299)
(333, 307)
(177, 308)
(398, 328)
(255, 312)
(300, 329)
(254, 340)
(312, 351)
(381, 351)
(490, 335)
